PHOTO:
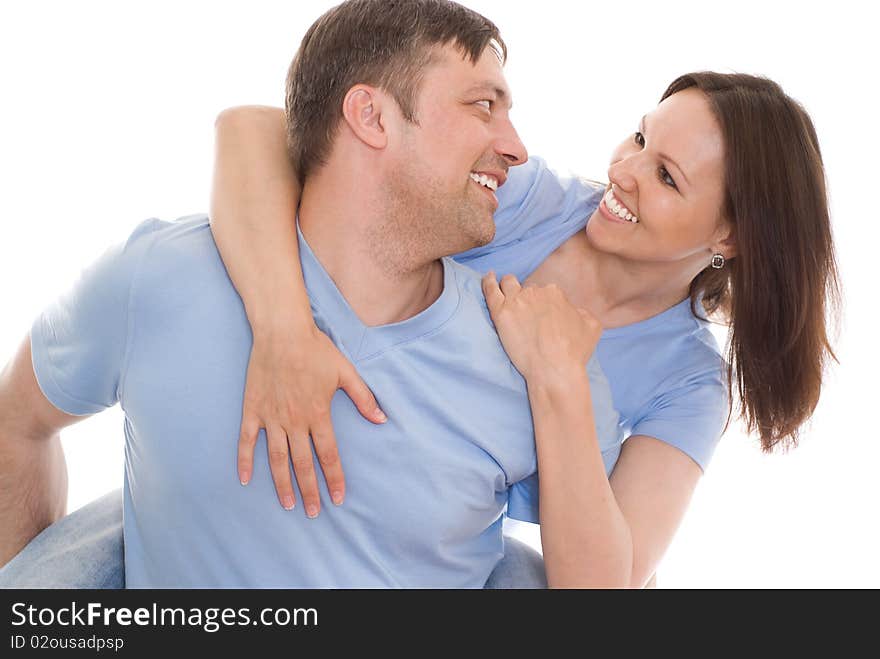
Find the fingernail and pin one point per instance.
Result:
(337, 497)
(380, 416)
(244, 477)
(312, 511)
(288, 502)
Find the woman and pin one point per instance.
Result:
(716, 206)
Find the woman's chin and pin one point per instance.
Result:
(599, 239)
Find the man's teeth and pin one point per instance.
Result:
(486, 181)
(619, 209)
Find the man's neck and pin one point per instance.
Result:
(371, 265)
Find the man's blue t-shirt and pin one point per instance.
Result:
(157, 326)
(666, 373)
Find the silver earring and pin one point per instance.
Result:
(718, 261)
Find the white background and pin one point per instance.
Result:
(107, 119)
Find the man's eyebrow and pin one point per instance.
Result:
(643, 129)
(501, 94)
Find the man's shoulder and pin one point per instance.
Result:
(184, 244)
(472, 321)
(176, 260)
(152, 246)
(158, 237)
(191, 232)
(470, 286)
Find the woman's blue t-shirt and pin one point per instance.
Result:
(666, 373)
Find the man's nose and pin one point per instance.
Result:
(509, 146)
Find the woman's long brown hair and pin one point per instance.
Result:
(781, 290)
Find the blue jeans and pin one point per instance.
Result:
(85, 550)
(82, 550)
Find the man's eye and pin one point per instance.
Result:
(485, 103)
(639, 139)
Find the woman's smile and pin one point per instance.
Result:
(608, 214)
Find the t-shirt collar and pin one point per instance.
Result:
(335, 317)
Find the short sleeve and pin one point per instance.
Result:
(522, 500)
(79, 342)
(690, 417)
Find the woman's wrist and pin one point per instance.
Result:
(268, 323)
(558, 383)
(278, 304)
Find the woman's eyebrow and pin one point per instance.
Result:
(643, 129)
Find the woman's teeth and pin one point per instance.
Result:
(619, 209)
(486, 181)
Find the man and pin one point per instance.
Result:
(398, 183)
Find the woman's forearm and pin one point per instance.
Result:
(294, 369)
(254, 198)
(585, 537)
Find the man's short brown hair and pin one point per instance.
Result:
(383, 43)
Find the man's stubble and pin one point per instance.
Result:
(423, 221)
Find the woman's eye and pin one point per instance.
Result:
(666, 178)
(639, 139)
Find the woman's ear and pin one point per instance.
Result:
(725, 243)
(362, 110)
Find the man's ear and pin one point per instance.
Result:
(362, 110)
